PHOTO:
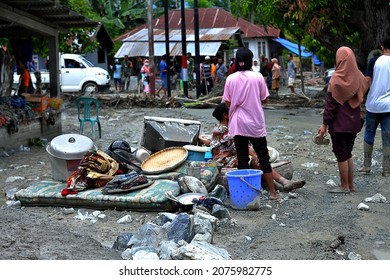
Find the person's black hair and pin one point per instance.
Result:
(189, 53)
(244, 58)
(164, 57)
(220, 110)
(386, 43)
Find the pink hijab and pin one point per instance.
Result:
(348, 83)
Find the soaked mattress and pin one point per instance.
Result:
(48, 193)
(152, 198)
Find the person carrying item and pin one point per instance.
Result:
(224, 151)
(378, 109)
(342, 114)
(244, 93)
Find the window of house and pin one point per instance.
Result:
(261, 47)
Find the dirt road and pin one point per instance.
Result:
(300, 228)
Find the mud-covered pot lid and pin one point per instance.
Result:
(70, 146)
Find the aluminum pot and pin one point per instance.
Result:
(66, 152)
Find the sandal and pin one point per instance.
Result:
(320, 140)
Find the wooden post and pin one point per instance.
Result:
(54, 66)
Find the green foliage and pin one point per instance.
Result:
(201, 3)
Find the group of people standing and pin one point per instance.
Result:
(342, 119)
(239, 138)
(272, 72)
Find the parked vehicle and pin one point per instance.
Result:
(77, 74)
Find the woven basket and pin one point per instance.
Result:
(164, 160)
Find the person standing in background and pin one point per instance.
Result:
(221, 71)
(145, 75)
(25, 85)
(163, 69)
(276, 73)
(255, 66)
(291, 73)
(127, 68)
(206, 74)
(263, 67)
(117, 68)
(190, 67)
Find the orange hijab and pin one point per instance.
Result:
(348, 83)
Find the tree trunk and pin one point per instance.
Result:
(6, 72)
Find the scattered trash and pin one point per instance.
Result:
(13, 179)
(21, 166)
(336, 243)
(4, 154)
(282, 225)
(84, 215)
(307, 132)
(354, 256)
(309, 164)
(67, 211)
(292, 195)
(288, 137)
(341, 253)
(10, 194)
(125, 220)
(331, 183)
(13, 203)
(363, 206)
(273, 216)
(248, 239)
(376, 198)
(24, 149)
(40, 142)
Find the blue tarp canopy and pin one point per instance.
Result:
(292, 47)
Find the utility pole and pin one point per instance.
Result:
(167, 49)
(197, 48)
(184, 49)
(152, 82)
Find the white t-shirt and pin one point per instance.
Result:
(378, 98)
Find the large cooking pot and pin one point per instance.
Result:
(66, 152)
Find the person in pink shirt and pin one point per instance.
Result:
(244, 93)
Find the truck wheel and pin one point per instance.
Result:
(90, 87)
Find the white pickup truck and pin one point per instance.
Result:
(77, 74)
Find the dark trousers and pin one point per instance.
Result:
(260, 147)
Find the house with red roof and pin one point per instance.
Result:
(216, 27)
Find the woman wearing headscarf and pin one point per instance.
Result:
(145, 73)
(341, 117)
(256, 66)
(276, 73)
(244, 93)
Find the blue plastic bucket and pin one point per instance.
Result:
(244, 186)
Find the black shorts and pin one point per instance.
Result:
(342, 144)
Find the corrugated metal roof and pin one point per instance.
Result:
(210, 18)
(48, 12)
(215, 34)
(135, 49)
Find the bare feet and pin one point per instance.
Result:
(352, 189)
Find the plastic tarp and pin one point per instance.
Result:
(292, 47)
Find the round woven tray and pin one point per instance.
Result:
(164, 160)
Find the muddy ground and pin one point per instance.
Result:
(302, 229)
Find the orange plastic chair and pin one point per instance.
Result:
(88, 111)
